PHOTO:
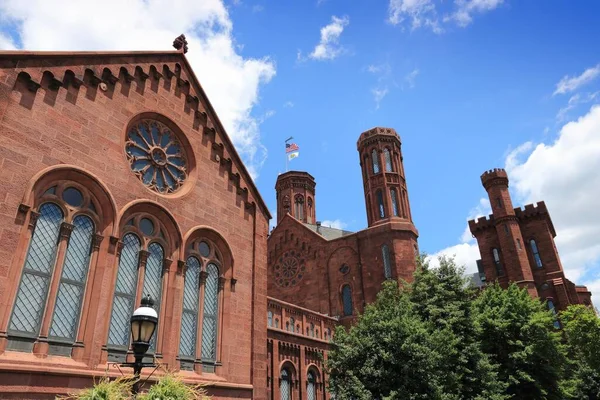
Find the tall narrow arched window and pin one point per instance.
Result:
(497, 263)
(189, 315)
(347, 300)
(311, 390)
(73, 278)
(394, 198)
(124, 298)
(269, 319)
(153, 280)
(285, 384)
(293, 324)
(375, 157)
(388, 160)
(536, 253)
(380, 205)
(299, 204)
(387, 263)
(551, 307)
(312, 330)
(309, 212)
(209, 318)
(29, 306)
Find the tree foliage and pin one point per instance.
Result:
(436, 338)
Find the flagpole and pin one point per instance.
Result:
(286, 155)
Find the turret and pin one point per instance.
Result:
(296, 195)
(384, 183)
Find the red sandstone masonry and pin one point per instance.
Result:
(85, 127)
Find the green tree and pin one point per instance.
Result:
(581, 330)
(443, 298)
(517, 332)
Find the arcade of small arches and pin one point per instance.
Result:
(70, 212)
(288, 383)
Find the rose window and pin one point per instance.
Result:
(289, 269)
(156, 156)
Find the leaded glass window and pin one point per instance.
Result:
(125, 288)
(26, 317)
(553, 310)
(375, 156)
(380, 205)
(312, 329)
(299, 208)
(388, 160)
(72, 283)
(536, 253)
(156, 156)
(153, 281)
(387, 263)
(189, 316)
(269, 319)
(394, 202)
(210, 317)
(497, 263)
(285, 385)
(311, 391)
(347, 300)
(292, 324)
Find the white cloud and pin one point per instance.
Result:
(463, 14)
(424, 13)
(257, 8)
(336, 223)
(564, 174)
(411, 78)
(571, 83)
(231, 81)
(6, 43)
(288, 104)
(329, 47)
(574, 101)
(379, 94)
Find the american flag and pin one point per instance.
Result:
(290, 147)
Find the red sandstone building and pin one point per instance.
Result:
(117, 180)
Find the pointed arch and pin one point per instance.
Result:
(203, 231)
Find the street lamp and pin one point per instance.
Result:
(143, 324)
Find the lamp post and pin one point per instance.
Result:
(143, 324)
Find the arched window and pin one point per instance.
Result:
(269, 319)
(292, 324)
(536, 253)
(140, 263)
(309, 213)
(311, 390)
(189, 316)
(375, 156)
(299, 204)
(380, 205)
(347, 300)
(45, 267)
(328, 334)
(277, 323)
(394, 202)
(210, 316)
(312, 329)
(388, 160)
(497, 263)
(31, 297)
(285, 384)
(387, 263)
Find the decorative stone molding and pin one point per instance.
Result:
(222, 281)
(203, 276)
(143, 257)
(96, 241)
(33, 217)
(66, 229)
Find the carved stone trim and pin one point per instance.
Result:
(143, 254)
(233, 282)
(181, 267)
(96, 241)
(66, 229)
(119, 245)
(203, 276)
(33, 217)
(23, 208)
(222, 283)
(167, 262)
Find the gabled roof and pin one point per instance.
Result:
(112, 66)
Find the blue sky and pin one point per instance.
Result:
(468, 84)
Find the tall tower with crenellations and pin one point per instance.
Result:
(384, 182)
(296, 196)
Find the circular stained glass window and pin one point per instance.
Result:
(204, 249)
(72, 196)
(147, 226)
(156, 156)
(289, 271)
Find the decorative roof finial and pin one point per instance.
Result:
(180, 43)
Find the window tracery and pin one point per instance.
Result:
(290, 269)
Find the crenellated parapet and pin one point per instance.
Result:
(536, 210)
(481, 224)
(496, 176)
(377, 134)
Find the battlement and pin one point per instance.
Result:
(531, 210)
(295, 178)
(496, 175)
(368, 136)
(481, 223)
